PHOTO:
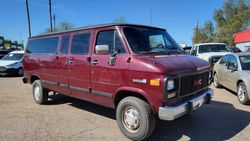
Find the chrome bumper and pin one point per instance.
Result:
(173, 112)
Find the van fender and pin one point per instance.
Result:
(135, 90)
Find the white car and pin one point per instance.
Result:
(210, 52)
(11, 64)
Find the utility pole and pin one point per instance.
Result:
(50, 16)
(151, 19)
(28, 15)
(196, 35)
(54, 19)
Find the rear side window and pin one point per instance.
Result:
(111, 39)
(64, 44)
(43, 45)
(80, 43)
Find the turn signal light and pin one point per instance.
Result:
(155, 82)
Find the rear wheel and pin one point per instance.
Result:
(216, 81)
(40, 94)
(243, 94)
(135, 118)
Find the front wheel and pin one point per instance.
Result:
(216, 81)
(40, 94)
(135, 118)
(20, 72)
(243, 94)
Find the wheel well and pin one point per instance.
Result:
(122, 94)
(33, 78)
(238, 82)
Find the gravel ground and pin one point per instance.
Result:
(65, 118)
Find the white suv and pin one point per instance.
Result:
(210, 52)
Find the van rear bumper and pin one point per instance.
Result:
(173, 112)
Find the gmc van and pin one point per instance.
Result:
(138, 70)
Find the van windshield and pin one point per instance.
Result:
(150, 40)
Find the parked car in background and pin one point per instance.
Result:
(233, 72)
(11, 64)
(235, 49)
(210, 52)
(187, 49)
(3, 52)
(138, 70)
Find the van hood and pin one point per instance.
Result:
(179, 64)
(205, 56)
(5, 63)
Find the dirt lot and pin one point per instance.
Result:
(70, 119)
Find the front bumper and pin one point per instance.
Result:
(8, 71)
(173, 112)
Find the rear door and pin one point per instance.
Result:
(79, 67)
(62, 64)
(105, 77)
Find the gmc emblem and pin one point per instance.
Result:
(197, 82)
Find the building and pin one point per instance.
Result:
(242, 40)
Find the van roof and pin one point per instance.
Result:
(94, 26)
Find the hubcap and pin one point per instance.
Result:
(20, 72)
(37, 92)
(131, 119)
(215, 80)
(241, 93)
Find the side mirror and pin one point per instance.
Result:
(102, 49)
(232, 68)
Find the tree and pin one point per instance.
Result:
(233, 17)
(208, 32)
(61, 27)
(120, 20)
(198, 36)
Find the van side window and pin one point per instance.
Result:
(43, 45)
(80, 43)
(110, 38)
(64, 44)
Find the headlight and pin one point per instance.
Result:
(170, 85)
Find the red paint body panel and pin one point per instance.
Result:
(242, 37)
(100, 83)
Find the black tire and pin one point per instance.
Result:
(216, 81)
(243, 96)
(145, 114)
(20, 72)
(40, 94)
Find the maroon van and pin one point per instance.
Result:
(138, 70)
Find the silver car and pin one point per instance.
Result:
(233, 72)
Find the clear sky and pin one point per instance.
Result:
(179, 17)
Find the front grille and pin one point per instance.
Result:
(193, 83)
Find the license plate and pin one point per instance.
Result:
(198, 103)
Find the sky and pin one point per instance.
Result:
(179, 17)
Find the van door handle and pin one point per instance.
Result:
(70, 61)
(94, 62)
